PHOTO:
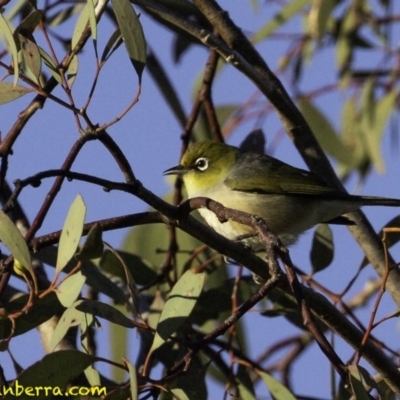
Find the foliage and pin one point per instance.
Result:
(168, 283)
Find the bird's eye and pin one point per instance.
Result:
(201, 164)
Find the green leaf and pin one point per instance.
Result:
(361, 382)
(319, 16)
(132, 379)
(133, 291)
(215, 302)
(6, 33)
(155, 311)
(31, 57)
(30, 23)
(72, 70)
(102, 283)
(321, 254)
(15, 242)
(374, 119)
(105, 311)
(141, 271)
(152, 252)
(191, 385)
(324, 132)
(64, 14)
(245, 386)
(10, 92)
(113, 43)
(285, 14)
(43, 309)
(352, 136)
(93, 376)
(71, 233)
(179, 393)
(92, 20)
(71, 317)
(51, 65)
(94, 277)
(69, 290)
(120, 348)
(180, 303)
(384, 391)
(277, 390)
(93, 246)
(80, 26)
(132, 33)
(55, 370)
(164, 84)
(345, 40)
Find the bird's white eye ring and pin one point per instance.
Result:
(201, 164)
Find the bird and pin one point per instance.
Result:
(290, 200)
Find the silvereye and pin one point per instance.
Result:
(289, 199)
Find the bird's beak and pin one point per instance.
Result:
(178, 170)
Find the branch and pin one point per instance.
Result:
(236, 49)
(179, 216)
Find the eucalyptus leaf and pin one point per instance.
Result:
(344, 44)
(8, 38)
(180, 303)
(64, 14)
(68, 291)
(245, 385)
(54, 370)
(10, 92)
(93, 376)
(72, 70)
(71, 317)
(31, 56)
(93, 246)
(30, 22)
(15, 242)
(152, 252)
(103, 310)
(352, 136)
(276, 388)
(130, 281)
(374, 118)
(71, 233)
(318, 17)
(114, 41)
(361, 382)
(102, 283)
(325, 133)
(120, 348)
(43, 309)
(287, 12)
(167, 89)
(321, 254)
(80, 26)
(191, 385)
(51, 65)
(142, 271)
(92, 20)
(132, 379)
(132, 33)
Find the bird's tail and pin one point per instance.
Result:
(377, 201)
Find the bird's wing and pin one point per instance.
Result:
(256, 173)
